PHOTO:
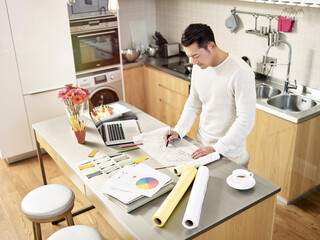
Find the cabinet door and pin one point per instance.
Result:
(134, 87)
(151, 83)
(14, 129)
(42, 41)
(41, 107)
(165, 96)
(171, 100)
(271, 147)
(173, 95)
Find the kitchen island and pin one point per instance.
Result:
(227, 213)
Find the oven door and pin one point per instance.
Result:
(96, 50)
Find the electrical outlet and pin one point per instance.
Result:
(269, 59)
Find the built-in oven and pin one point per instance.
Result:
(95, 43)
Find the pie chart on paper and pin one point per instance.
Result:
(147, 183)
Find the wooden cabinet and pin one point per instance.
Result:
(286, 153)
(134, 87)
(173, 93)
(157, 93)
(165, 97)
(151, 82)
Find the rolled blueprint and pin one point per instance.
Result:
(193, 212)
(198, 162)
(167, 207)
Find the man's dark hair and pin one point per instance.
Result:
(197, 33)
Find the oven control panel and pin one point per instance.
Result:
(94, 24)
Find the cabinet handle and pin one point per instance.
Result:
(172, 106)
(95, 34)
(43, 91)
(171, 90)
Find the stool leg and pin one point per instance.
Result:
(36, 231)
(69, 219)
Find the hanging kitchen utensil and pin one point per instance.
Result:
(255, 30)
(232, 22)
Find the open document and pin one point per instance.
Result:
(177, 153)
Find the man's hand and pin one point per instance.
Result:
(202, 151)
(174, 135)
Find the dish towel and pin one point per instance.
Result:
(285, 24)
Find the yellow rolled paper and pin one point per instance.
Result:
(167, 207)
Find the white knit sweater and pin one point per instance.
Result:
(227, 97)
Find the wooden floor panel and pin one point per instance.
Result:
(17, 179)
(298, 221)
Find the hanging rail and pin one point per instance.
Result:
(269, 16)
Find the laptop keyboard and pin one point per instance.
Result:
(115, 132)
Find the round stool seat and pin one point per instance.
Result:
(77, 232)
(47, 201)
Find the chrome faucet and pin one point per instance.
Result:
(287, 84)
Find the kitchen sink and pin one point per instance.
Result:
(266, 91)
(291, 102)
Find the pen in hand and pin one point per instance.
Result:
(169, 134)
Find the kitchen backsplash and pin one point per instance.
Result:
(171, 17)
(132, 11)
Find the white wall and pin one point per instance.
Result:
(173, 16)
(136, 10)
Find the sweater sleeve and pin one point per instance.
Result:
(190, 112)
(243, 88)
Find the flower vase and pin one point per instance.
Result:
(81, 136)
(74, 99)
(74, 110)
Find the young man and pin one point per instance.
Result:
(223, 87)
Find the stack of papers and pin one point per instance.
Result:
(133, 186)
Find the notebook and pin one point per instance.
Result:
(119, 132)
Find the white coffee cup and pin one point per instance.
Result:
(241, 176)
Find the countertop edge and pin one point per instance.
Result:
(234, 214)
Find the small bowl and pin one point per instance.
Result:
(152, 51)
(130, 54)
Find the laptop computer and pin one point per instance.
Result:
(119, 132)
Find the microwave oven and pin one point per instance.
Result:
(88, 9)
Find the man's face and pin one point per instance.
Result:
(200, 56)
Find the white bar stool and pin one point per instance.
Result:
(48, 203)
(77, 232)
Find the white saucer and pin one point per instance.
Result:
(234, 185)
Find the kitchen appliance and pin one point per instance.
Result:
(119, 132)
(169, 50)
(130, 54)
(95, 44)
(88, 9)
(180, 67)
(152, 50)
(105, 86)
